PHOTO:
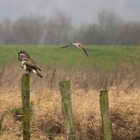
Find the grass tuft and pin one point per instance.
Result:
(17, 113)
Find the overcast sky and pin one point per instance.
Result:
(80, 11)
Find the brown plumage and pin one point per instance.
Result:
(28, 64)
(77, 45)
(22, 54)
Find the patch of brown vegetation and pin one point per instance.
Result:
(122, 86)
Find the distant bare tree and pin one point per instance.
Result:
(130, 33)
(109, 26)
(90, 35)
(105, 32)
(1, 34)
(6, 33)
(28, 30)
(58, 30)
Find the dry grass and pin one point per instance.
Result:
(123, 86)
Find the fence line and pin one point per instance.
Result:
(58, 134)
(105, 101)
(75, 94)
(11, 132)
(5, 112)
(42, 89)
(44, 133)
(10, 91)
(66, 111)
(27, 89)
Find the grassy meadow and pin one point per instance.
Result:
(105, 58)
(116, 68)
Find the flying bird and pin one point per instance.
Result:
(28, 64)
(77, 45)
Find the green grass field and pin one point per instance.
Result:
(115, 68)
(105, 58)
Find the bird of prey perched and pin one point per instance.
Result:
(28, 64)
(77, 45)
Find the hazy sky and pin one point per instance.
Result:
(81, 11)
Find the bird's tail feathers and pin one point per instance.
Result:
(38, 68)
(39, 75)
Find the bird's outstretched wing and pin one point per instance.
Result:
(83, 49)
(23, 54)
(66, 46)
(85, 52)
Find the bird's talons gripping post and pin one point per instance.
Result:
(27, 73)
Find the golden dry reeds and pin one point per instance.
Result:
(123, 89)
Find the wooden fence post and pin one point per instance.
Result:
(25, 94)
(67, 109)
(104, 107)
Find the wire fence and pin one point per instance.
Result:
(60, 112)
(72, 93)
(52, 134)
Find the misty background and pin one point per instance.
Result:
(57, 22)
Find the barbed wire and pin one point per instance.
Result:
(11, 132)
(75, 94)
(43, 89)
(10, 91)
(4, 112)
(56, 134)
(40, 132)
(26, 89)
(104, 101)
(71, 113)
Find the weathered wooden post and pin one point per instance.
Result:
(67, 109)
(104, 107)
(25, 94)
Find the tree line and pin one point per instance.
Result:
(110, 30)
